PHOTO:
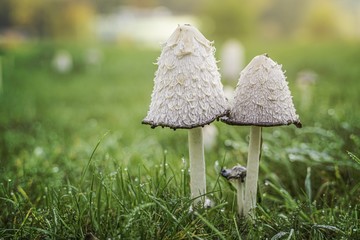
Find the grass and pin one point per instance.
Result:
(76, 162)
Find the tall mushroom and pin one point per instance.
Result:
(262, 99)
(237, 176)
(188, 94)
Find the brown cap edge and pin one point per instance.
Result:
(202, 124)
(259, 124)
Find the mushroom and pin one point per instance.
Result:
(237, 175)
(232, 60)
(62, 62)
(305, 81)
(210, 133)
(262, 99)
(188, 94)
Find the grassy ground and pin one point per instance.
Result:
(75, 162)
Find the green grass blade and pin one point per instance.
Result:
(91, 158)
(237, 228)
(355, 158)
(308, 184)
(211, 226)
(290, 234)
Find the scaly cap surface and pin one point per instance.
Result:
(262, 96)
(236, 173)
(187, 90)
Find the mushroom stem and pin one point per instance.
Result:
(252, 169)
(197, 163)
(240, 188)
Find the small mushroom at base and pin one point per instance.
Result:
(237, 176)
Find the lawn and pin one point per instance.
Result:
(76, 162)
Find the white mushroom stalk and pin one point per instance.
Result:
(188, 94)
(197, 162)
(237, 176)
(262, 99)
(253, 168)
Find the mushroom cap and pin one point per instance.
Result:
(187, 90)
(238, 172)
(262, 96)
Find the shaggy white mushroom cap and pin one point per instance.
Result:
(262, 96)
(187, 89)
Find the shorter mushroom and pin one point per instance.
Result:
(236, 176)
(262, 99)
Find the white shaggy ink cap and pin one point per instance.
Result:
(262, 96)
(187, 89)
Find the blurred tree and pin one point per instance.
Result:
(182, 7)
(72, 19)
(231, 18)
(63, 18)
(107, 6)
(5, 20)
(28, 16)
(282, 17)
(325, 19)
(141, 3)
(176, 6)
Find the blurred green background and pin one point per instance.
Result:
(74, 71)
(125, 19)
